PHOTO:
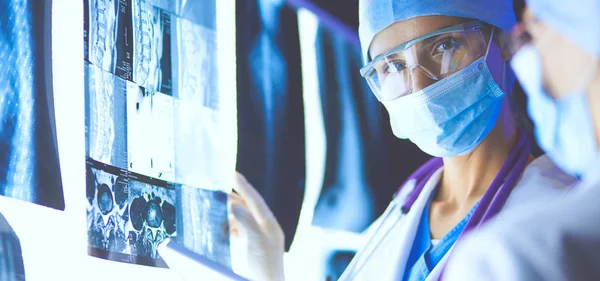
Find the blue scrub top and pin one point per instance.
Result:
(423, 255)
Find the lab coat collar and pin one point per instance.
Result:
(411, 222)
(394, 238)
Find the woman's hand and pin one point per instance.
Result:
(253, 225)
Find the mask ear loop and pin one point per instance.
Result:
(503, 83)
(487, 50)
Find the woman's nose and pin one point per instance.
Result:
(420, 80)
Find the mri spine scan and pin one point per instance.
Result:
(152, 125)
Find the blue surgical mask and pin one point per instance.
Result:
(452, 116)
(563, 127)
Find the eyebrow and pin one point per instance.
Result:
(425, 41)
(383, 55)
(430, 40)
(393, 55)
(464, 25)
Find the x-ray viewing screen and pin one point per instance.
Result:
(152, 119)
(29, 163)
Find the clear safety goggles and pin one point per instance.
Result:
(425, 60)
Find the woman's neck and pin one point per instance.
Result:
(467, 177)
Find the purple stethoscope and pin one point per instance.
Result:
(497, 194)
(494, 198)
(489, 205)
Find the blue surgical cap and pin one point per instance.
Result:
(577, 20)
(376, 15)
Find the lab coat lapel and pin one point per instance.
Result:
(393, 241)
(411, 223)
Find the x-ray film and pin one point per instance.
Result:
(131, 39)
(29, 160)
(203, 224)
(128, 126)
(128, 214)
(106, 117)
(152, 44)
(199, 12)
(198, 160)
(11, 256)
(152, 129)
(109, 36)
(150, 133)
(195, 65)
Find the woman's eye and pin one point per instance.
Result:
(447, 45)
(394, 67)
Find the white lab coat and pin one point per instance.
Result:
(554, 241)
(541, 181)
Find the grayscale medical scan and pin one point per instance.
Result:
(295, 140)
(128, 215)
(29, 161)
(139, 104)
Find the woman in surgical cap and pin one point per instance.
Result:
(557, 59)
(437, 67)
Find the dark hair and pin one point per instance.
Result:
(518, 101)
(518, 105)
(519, 8)
(516, 96)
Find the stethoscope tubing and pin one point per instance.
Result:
(490, 204)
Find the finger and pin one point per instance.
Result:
(256, 204)
(237, 199)
(234, 196)
(245, 220)
(234, 226)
